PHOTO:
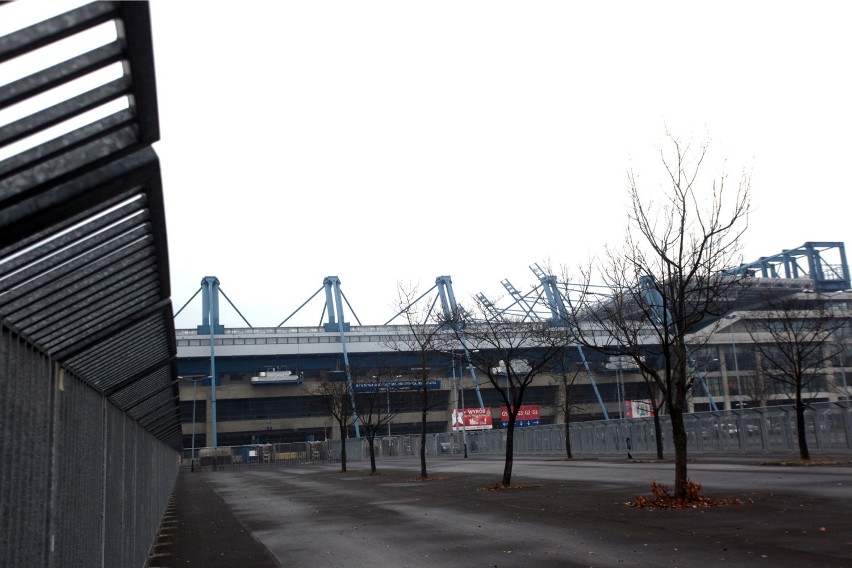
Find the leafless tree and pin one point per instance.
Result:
(613, 323)
(380, 395)
(794, 336)
(657, 403)
(334, 397)
(667, 280)
(424, 336)
(657, 406)
(565, 376)
(758, 387)
(510, 351)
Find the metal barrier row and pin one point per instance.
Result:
(754, 430)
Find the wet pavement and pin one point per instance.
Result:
(564, 513)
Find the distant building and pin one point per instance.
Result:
(266, 377)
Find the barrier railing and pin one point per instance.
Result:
(753, 430)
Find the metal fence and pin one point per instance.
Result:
(753, 430)
(89, 413)
(82, 483)
(828, 428)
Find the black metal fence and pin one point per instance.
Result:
(88, 382)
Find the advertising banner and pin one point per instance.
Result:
(638, 408)
(396, 386)
(528, 415)
(472, 419)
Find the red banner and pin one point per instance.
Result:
(472, 419)
(528, 415)
(526, 412)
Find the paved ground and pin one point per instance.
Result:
(572, 513)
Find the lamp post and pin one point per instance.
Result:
(194, 401)
(456, 386)
(843, 374)
(619, 389)
(464, 424)
(840, 336)
(456, 383)
(736, 365)
(508, 396)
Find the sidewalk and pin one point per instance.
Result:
(200, 529)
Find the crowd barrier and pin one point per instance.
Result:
(753, 430)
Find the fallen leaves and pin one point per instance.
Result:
(501, 487)
(693, 498)
(422, 479)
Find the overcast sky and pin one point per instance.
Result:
(388, 142)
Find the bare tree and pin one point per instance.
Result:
(616, 325)
(511, 352)
(657, 403)
(566, 375)
(425, 335)
(667, 281)
(379, 397)
(334, 396)
(758, 387)
(794, 336)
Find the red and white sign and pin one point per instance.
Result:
(639, 408)
(526, 412)
(472, 419)
(528, 415)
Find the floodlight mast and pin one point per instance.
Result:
(559, 316)
(210, 325)
(529, 309)
(453, 314)
(334, 303)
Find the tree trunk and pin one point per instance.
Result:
(676, 403)
(423, 474)
(567, 440)
(658, 433)
(510, 448)
(658, 428)
(680, 440)
(800, 426)
(568, 433)
(371, 441)
(342, 445)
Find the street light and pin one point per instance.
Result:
(736, 364)
(194, 401)
(619, 390)
(618, 363)
(508, 395)
(456, 382)
(840, 336)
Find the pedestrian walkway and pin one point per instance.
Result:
(199, 529)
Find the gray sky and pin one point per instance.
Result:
(387, 142)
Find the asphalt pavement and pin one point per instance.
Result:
(562, 513)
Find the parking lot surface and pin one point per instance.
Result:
(563, 513)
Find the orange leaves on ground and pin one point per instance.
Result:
(501, 487)
(661, 498)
